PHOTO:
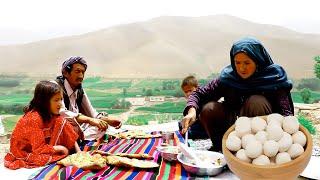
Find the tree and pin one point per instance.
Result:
(305, 95)
(149, 92)
(121, 104)
(156, 89)
(317, 66)
(124, 92)
(310, 83)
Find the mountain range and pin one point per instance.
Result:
(164, 47)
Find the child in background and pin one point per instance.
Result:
(189, 85)
(41, 136)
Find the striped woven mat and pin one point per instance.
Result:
(167, 170)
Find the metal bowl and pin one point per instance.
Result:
(201, 171)
(168, 154)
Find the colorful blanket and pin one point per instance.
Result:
(167, 170)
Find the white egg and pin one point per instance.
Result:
(290, 124)
(258, 124)
(253, 149)
(233, 133)
(275, 116)
(300, 138)
(242, 120)
(270, 148)
(246, 138)
(283, 157)
(242, 156)
(274, 132)
(274, 122)
(243, 129)
(261, 160)
(295, 150)
(285, 142)
(261, 136)
(233, 143)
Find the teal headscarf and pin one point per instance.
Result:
(268, 76)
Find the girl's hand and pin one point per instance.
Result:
(76, 147)
(61, 150)
(188, 120)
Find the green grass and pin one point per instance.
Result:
(160, 117)
(108, 85)
(15, 99)
(167, 107)
(296, 97)
(112, 111)
(148, 83)
(140, 119)
(94, 93)
(10, 122)
(305, 122)
(91, 80)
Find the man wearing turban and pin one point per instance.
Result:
(86, 120)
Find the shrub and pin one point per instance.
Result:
(312, 84)
(306, 95)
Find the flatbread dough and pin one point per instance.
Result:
(127, 162)
(136, 134)
(84, 160)
(128, 155)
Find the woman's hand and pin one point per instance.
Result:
(188, 120)
(112, 121)
(61, 150)
(102, 125)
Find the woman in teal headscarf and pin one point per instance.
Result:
(252, 85)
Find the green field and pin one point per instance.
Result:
(10, 122)
(296, 97)
(167, 107)
(107, 94)
(159, 117)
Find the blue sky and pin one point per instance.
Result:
(32, 20)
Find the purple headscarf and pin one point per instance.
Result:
(67, 64)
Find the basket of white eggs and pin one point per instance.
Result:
(267, 147)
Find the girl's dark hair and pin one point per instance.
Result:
(40, 102)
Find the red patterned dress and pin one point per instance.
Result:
(32, 141)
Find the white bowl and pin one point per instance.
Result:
(212, 156)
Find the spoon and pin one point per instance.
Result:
(189, 153)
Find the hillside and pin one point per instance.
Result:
(163, 47)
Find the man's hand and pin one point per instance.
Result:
(112, 121)
(102, 125)
(188, 120)
(61, 150)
